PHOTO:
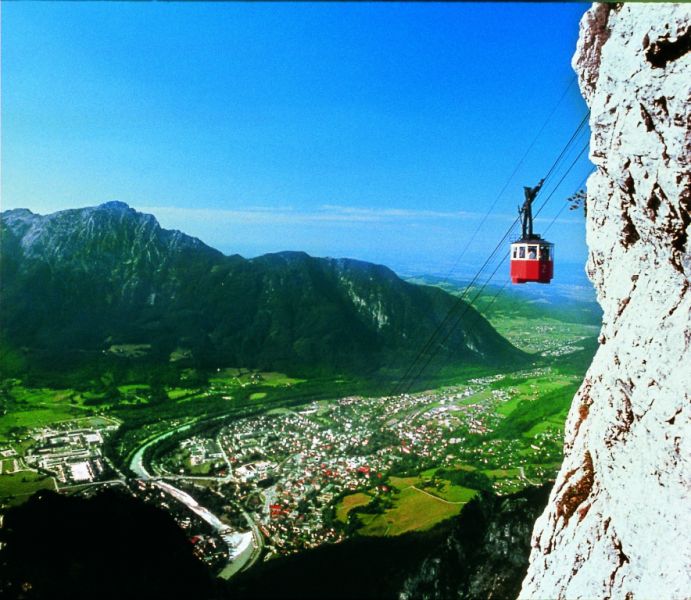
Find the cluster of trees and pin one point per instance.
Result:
(529, 413)
(469, 479)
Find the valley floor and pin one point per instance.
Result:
(255, 465)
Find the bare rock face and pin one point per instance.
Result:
(618, 519)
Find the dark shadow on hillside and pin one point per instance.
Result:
(111, 546)
(480, 554)
(115, 546)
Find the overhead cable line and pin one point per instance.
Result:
(510, 178)
(556, 187)
(561, 210)
(575, 134)
(469, 305)
(431, 342)
(460, 302)
(503, 287)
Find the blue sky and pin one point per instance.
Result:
(377, 131)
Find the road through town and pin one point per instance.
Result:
(250, 553)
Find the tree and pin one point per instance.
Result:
(577, 200)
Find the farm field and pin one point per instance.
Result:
(413, 510)
(17, 487)
(26, 408)
(242, 377)
(349, 503)
(453, 493)
(412, 505)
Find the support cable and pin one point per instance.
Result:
(503, 287)
(508, 181)
(432, 342)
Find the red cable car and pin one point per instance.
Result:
(532, 258)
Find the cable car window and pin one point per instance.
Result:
(521, 252)
(532, 252)
(544, 252)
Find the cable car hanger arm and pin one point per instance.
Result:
(525, 212)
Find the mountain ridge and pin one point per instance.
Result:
(91, 277)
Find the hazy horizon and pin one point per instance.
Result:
(378, 132)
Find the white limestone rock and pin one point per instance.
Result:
(618, 520)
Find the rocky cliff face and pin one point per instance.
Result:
(485, 553)
(617, 522)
